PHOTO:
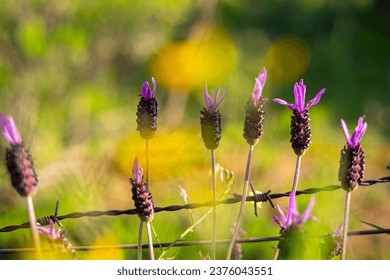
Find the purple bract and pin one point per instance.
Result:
(9, 130)
(259, 84)
(146, 92)
(137, 171)
(300, 95)
(212, 105)
(357, 135)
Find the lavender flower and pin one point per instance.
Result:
(292, 217)
(352, 157)
(142, 197)
(147, 111)
(18, 158)
(59, 244)
(210, 120)
(292, 243)
(254, 112)
(300, 126)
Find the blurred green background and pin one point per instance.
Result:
(70, 73)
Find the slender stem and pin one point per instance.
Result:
(276, 254)
(214, 190)
(33, 225)
(296, 174)
(139, 249)
(242, 204)
(147, 154)
(345, 226)
(150, 241)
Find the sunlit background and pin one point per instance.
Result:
(71, 72)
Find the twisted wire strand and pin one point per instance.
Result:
(264, 197)
(186, 243)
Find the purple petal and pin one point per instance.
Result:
(292, 212)
(154, 87)
(259, 84)
(316, 99)
(282, 216)
(300, 93)
(276, 220)
(346, 132)
(216, 104)
(306, 215)
(209, 101)
(358, 132)
(282, 102)
(9, 130)
(137, 171)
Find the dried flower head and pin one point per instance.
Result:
(300, 121)
(18, 158)
(351, 169)
(331, 247)
(210, 120)
(147, 111)
(142, 197)
(254, 111)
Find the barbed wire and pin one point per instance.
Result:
(263, 197)
(187, 243)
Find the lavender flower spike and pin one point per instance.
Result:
(147, 93)
(9, 130)
(357, 135)
(137, 171)
(259, 84)
(300, 95)
(213, 105)
(292, 217)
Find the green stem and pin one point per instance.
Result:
(139, 248)
(214, 190)
(33, 225)
(345, 226)
(242, 204)
(296, 174)
(150, 241)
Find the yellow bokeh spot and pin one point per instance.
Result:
(208, 56)
(287, 59)
(105, 254)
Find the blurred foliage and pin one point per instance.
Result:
(70, 72)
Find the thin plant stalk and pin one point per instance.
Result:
(345, 226)
(33, 225)
(214, 190)
(187, 231)
(150, 241)
(296, 174)
(242, 204)
(147, 172)
(139, 248)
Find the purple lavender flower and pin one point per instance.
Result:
(300, 94)
(147, 93)
(9, 130)
(352, 161)
(142, 197)
(357, 135)
(292, 218)
(18, 158)
(147, 111)
(300, 121)
(254, 111)
(210, 120)
(50, 232)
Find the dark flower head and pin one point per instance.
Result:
(254, 111)
(357, 135)
(300, 121)
(147, 93)
(147, 111)
(142, 197)
(300, 95)
(210, 120)
(210, 104)
(18, 159)
(9, 130)
(352, 160)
